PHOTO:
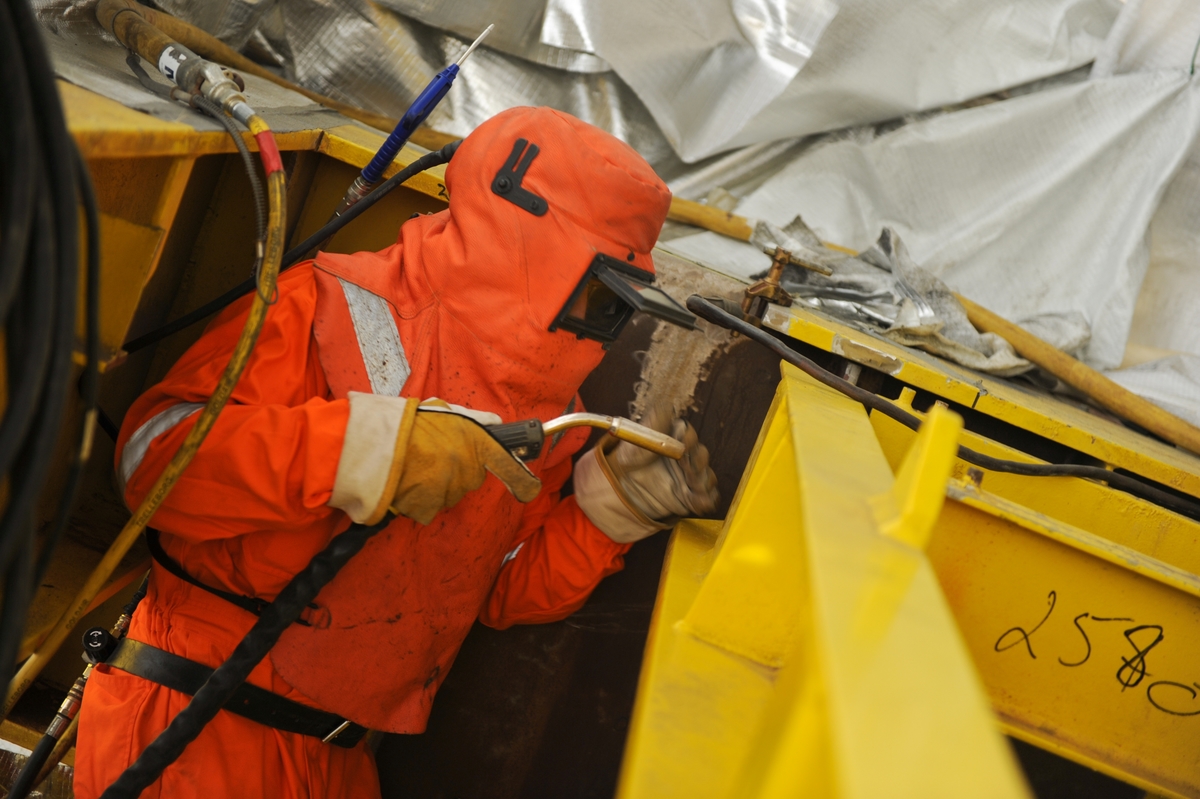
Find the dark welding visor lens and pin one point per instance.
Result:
(607, 296)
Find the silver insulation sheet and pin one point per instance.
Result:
(688, 78)
(702, 68)
(367, 54)
(716, 74)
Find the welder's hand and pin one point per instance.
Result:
(630, 492)
(448, 455)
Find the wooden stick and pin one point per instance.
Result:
(1116, 398)
(705, 216)
(726, 223)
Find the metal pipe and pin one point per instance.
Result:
(621, 428)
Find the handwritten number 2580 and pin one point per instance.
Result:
(1132, 670)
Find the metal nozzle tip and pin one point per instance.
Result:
(474, 44)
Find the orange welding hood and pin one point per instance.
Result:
(474, 292)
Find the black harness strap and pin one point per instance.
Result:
(251, 604)
(249, 701)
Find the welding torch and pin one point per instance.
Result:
(525, 439)
(416, 114)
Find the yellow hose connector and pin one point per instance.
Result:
(269, 273)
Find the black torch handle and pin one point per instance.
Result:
(523, 439)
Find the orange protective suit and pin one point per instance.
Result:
(459, 309)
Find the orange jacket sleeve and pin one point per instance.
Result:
(271, 459)
(560, 556)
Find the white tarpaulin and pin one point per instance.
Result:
(1036, 207)
(1164, 35)
(702, 68)
(711, 87)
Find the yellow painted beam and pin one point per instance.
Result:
(802, 652)
(104, 128)
(1114, 516)
(1062, 596)
(1036, 412)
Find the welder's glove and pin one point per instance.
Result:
(630, 492)
(419, 459)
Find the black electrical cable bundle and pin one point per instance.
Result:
(717, 316)
(221, 684)
(39, 251)
(294, 255)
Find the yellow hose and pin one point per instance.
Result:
(276, 223)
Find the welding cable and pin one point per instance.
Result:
(717, 316)
(39, 273)
(294, 255)
(254, 646)
(276, 225)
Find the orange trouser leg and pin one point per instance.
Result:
(232, 757)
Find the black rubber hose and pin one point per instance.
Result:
(39, 273)
(256, 187)
(29, 340)
(711, 313)
(18, 154)
(59, 229)
(294, 255)
(134, 62)
(221, 684)
(23, 784)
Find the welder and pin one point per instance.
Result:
(368, 390)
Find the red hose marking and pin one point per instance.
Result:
(268, 152)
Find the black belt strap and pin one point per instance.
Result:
(249, 701)
(252, 604)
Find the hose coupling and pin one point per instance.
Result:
(224, 87)
(358, 189)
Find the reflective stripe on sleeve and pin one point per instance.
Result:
(155, 426)
(378, 340)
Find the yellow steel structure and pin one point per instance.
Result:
(1079, 603)
(1028, 410)
(1086, 631)
(804, 648)
(142, 167)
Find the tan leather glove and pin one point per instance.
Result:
(630, 492)
(449, 454)
(419, 459)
